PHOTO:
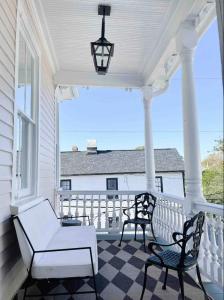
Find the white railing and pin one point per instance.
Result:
(105, 209)
(211, 252)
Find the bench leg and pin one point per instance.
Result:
(25, 290)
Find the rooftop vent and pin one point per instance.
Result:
(91, 147)
(75, 148)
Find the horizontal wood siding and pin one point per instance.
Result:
(12, 271)
(9, 250)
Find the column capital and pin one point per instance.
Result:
(186, 38)
(147, 92)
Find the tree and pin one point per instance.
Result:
(212, 176)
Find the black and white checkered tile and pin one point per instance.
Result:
(120, 277)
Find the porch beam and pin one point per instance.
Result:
(65, 77)
(186, 42)
(149, 150)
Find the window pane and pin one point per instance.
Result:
(29, 83)
(20, 90)
(24, 154)
(65, 185)
(112, 183)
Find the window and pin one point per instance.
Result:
(66, 185)
(112, 184)
(159, 184)
(26, 97)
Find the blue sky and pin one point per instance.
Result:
(115, 117)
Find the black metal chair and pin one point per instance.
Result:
(184, 260)
(144, 207)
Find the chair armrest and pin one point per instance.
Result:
(175, 234)
(151, 245)
(124, 210)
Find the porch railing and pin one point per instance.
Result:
(105, 209)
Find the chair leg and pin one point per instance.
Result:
(200, 282)
(153, 234)
(164, 284)
(144, 282)
(135, 230)
(121, 235)
(180, 276)
(143, 230)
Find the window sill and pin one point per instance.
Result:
(25, 204)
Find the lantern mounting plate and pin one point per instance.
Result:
(104, 10)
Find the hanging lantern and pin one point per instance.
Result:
(102, 50)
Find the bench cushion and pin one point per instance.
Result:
(40, 224)
(74, 263)
(45, 232)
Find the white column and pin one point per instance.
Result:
(149, 151)
(186, 42)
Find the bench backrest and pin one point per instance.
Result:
(40, 224)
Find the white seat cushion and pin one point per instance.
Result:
(40, 225)
(74, 263)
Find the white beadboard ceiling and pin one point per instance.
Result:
(134, 26)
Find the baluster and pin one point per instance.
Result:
(69, 206)
(106, 215)
(114, 215)
(128, 211)
(99, 214)
(91, 212)
(220, 249)
(120, 213)
(84, 209)
(160, 227)
(77, 206)
(213, 250)
(61, 206)
(205, 245)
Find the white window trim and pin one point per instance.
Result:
(24, 28)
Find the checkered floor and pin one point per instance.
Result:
(120, 277)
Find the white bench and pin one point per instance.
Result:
(52, 251)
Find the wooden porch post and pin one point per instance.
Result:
(186, 42)
(149, 151)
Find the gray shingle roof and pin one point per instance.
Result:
(118, 162)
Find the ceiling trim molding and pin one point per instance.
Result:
(66, 77)
(202, 14)
(42, 27)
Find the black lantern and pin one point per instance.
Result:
(102, 50)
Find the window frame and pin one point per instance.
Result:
(161, 183)
(107, 184)
(70, 184)
(24, 30)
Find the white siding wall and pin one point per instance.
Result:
(172, 182)
(12, 272)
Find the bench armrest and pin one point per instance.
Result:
(74, 217)
(63, 249)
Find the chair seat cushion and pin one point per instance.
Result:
(171, 259)
(64, 264)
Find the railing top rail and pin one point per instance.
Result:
(213, 208)
(171, 198)
(108, 192)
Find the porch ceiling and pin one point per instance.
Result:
(142, 31)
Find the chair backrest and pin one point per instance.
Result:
(192, 233)
(34, 228)
(144, 206)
